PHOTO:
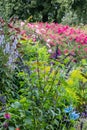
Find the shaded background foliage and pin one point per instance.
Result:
(80, 7)
(49, 10)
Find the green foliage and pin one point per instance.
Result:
(79, 6)
(5, 77)
(50, 10)
(6, 80)
(40, 88)
(42, 92)
(70, 18)
(5, 9)
(7, 85)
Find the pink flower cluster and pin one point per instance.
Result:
(56, 32)
(68, 38)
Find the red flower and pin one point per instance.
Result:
(85, 49)
(17, 29)
(17, 129)
(10, 25)
(66, 51)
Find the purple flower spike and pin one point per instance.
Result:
(5, 125)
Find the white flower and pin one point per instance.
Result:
(48, 40)
(50, 51)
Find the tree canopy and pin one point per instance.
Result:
(48, 10)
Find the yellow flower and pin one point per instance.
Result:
(47, 69)
(76, 74)
(71, 93)
(70, 82)
(83, 78)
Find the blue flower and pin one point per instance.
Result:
(68, 109)
(74, 115)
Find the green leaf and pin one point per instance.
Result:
(16, 105)
(11, 128)
(27, 121)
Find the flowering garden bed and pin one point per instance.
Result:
(43, 76)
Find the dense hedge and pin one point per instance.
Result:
(40, 10)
